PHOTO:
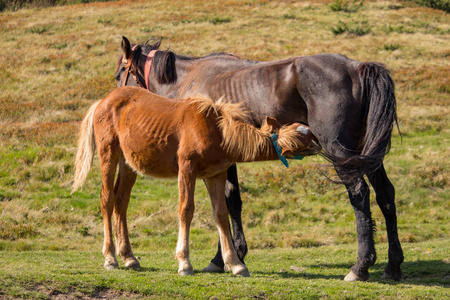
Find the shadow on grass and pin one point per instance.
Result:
(143, 269)
(426, 273)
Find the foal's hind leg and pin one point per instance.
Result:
(385, 194)
(124, 184)
(234, 205)
(109, 157)
(216, 189)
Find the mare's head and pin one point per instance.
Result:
(150, 67)
(135, 62)
(293, 139)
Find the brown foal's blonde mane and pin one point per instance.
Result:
(239, 138)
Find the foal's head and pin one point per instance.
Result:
(294, 139)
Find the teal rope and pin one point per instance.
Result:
(283, 159)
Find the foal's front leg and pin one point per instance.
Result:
(186, 187)
(234, 205)
(216, 189)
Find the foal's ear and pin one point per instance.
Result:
(272, 122)
(126, 48)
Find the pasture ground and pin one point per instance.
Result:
(281, 273)
(56, 61)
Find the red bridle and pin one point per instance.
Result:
(147, 68)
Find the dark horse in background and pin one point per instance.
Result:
(349, 106)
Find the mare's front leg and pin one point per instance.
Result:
(186, 187)
(385, 195)
(216, 190)
(124, 183)
(359, 194)
(234, 205)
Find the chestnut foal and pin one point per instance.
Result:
(192, 138)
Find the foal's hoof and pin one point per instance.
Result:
(186, 272)
(241, 271)
(111, 266)
(213, 268)
(353, 277)
(132, 264)
(227, 268)
(244, 273)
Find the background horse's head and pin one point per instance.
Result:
(137, 60)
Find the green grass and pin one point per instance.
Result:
(58, 61)
(282, 273)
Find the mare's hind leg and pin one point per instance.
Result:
(234, 205)
(186, 187)
(109, 158)
(385, 195)
(216, 190)
(124, 183)
(359, 193)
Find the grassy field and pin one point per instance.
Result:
(300, 227)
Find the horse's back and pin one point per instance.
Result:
(279, 88)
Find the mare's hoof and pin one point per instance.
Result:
(387, 276)
(132, 264)
(353, 277)
(186, 272)
(213, 268)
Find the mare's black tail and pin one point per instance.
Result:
(378, 99)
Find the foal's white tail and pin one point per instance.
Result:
(86, 149)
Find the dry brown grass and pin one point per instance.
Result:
(58, 61)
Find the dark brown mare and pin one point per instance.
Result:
(194, 138)
(349, 105)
